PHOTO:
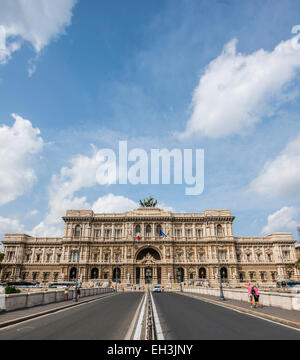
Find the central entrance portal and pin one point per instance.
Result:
(148, 275)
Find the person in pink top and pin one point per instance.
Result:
(256, 297)
(250, 296)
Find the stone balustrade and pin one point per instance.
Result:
(290, 301)
(10, 302)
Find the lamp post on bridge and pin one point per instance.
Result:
(75, 299)
(219, 268)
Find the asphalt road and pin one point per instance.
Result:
(105, 319)
(185, 318)
(181, 318)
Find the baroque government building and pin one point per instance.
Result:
(150, 245)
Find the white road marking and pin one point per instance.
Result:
(158, 328)
(138, 330)
(129, 333)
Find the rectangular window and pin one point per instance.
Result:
(95, 257)
(97, 233)
(199, 232)
(107, 233)
(273, 275)
(286, 255)
(58, 258)
(188, 233)
(222, 254)
(45, 276)
(73, 256)
(269, 257)
(178, 233)
(258, 257)
(10, 255)
(118, 233)
(7, 276)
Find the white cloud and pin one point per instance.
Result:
(18, 144)
(111, 203)
(81, 174)
(280, 177)
(237, 90)
(33, 212)
(165, 207)
(35, 21)
(282, 220)
(9, 226)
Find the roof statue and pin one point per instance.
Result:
(148, 202)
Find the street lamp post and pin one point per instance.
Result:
(116, 279)
(219, 269)
(77, 267)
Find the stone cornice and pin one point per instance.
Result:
(149, 218)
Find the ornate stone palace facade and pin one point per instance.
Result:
(150, 245)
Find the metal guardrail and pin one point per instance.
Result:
(150, 324)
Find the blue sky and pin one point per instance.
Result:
(159, 74)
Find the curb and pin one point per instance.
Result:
(32, 316)
(247, 311)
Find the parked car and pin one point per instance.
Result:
(157, 288)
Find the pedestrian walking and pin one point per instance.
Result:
(250, 295)
(256, 297)
(78, 293)
(66, 296)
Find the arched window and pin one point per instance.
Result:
(146, 252)
(148, 231)
(77, 231)
(180, 274)
(223, 273)
(137, 230)
(94, 273)
(219, 230)
(202, 273)
(73, 273)
(117, 275)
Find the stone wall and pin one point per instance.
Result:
(289, 301)
(10, 302)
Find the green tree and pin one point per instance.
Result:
(11, 290)
(1, 256)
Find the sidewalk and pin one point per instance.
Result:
(13, 317)
(287, 317)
